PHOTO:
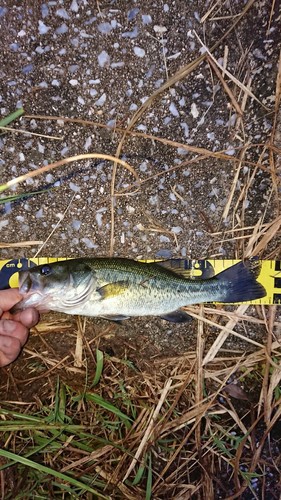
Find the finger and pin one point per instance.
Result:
(29, 317)
(10, 348)
(8, 298)
(13, 329)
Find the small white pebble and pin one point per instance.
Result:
(194, 110)
(119, 64)
(73, 82)
(159, 29)
(74, 6)
(76, 224)
(103, 59)
(101, 100)
(105, 28)
(39, 214)
(62, 13)
(74, 187)
(139, 52)
(3, 223)
(49, 178)
(164, 239)
(143, 166)
(146, 19)
(176, 229)
(182, 151)
(131, 34)
(153, 200)
(173, 109)
(99, 219)
(43, 29)
(89, 243)
(88, 143)
(230, 152)
(185, 128)
(62, 29)
(130, 209)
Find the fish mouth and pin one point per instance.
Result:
(31, 291)
(25, 282)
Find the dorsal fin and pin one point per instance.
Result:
(188, 268)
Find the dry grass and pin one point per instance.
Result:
(185, 427)
(178, 422)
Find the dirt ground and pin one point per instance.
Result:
(101, 61)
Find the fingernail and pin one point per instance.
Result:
(9, 326)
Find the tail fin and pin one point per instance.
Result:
(241, 282)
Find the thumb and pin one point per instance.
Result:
(8, 298)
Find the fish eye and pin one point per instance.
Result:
(45, 270)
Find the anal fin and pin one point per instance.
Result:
(116, 317)
(177, 317)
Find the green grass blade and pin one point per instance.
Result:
(49, 427)
(47, 470)
(148, 491)
(138, 475)
(16, 197)
(108, 406)
(99, 367)
(60, 403)
(10, 118)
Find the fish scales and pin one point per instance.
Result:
(120, 288)
(149, 288)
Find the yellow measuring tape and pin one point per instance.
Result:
(269, 277)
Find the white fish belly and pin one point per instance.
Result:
(140, 304)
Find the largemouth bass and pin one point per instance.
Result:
(117, 288)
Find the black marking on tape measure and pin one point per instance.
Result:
(277, 298)
(206, 268)
(13, 267)
(277, 282)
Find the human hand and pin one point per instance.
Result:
(14, 329)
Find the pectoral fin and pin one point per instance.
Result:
(113, 289)
(177, 317)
